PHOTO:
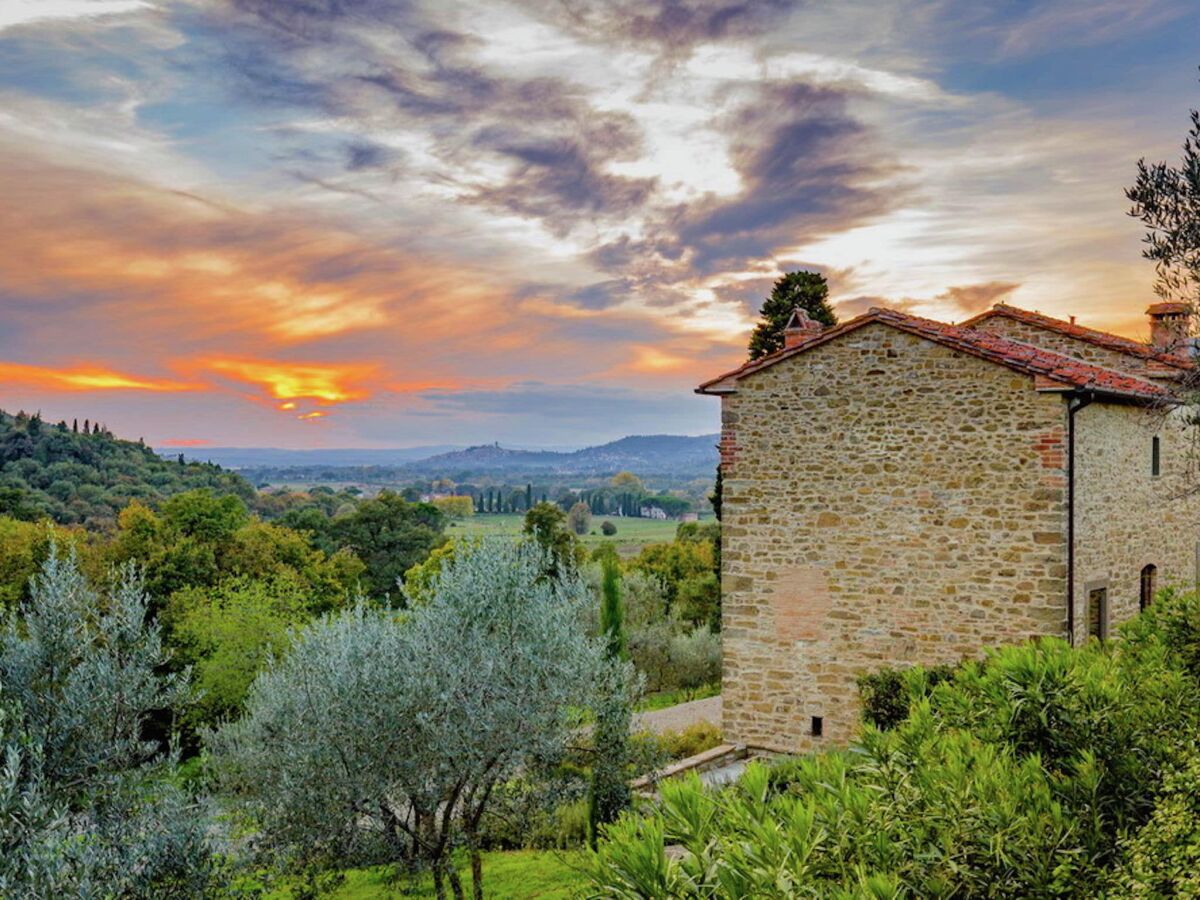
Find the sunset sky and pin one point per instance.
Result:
(373, 223)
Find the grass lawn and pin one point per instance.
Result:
(534, 874)
(631, 536)
(667, 699)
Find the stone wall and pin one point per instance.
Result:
(886, 501)
(1125, 518)
(1069, 346)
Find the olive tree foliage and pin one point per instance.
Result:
(86, 806)
(382, 736)
(1166, 199)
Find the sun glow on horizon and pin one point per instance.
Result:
(324, 383)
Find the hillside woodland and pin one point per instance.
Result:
(81, 474)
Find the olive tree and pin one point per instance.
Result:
(383, 735)
(87, 806)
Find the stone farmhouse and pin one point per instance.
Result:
(903, 491)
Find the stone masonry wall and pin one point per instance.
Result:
(1125, 518)
(886, 501)
(1065, 344)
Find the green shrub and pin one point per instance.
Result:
(1033, 773)
(545, 815)
(1162, 859)
(694, 739)
(608, 528)
(887, 693)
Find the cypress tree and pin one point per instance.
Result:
(795, 290)
(612, 609)
(717, 495)
(609, 793)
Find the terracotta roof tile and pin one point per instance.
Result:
(1050, 368)
(1090, 335)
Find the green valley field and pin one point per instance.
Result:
(632, 534)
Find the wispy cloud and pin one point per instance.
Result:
(23, 12)
(338, 222)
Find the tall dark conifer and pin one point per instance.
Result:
(609, 794)
(805, 290)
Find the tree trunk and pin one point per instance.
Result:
(476, 873)
(439, 883)
(455, 882)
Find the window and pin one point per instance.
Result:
(1154, 456)
(1146, 595)
(818, 726)
(1097, 613)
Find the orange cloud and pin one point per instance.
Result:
(325, 383)
(241, 279)
(85, 378)
(185, 442)
(652, 359)
(315, 414)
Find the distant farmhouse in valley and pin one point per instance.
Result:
(901, 491)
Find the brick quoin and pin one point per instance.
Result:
(728, 447)
(1051, 446)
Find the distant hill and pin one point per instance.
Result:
(83, 475)
(254, 457)
(679, 457)
(646, 455)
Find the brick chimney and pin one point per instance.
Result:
(799, 329)
(1170, 325)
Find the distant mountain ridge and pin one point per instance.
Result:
(644, 454)
(252, 457)
(654, 454)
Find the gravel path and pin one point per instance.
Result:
(677, 718)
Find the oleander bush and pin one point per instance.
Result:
(886, 693)
(1041, 771)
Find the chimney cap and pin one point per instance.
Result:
(800, 328)
(802, 321)
(1169, 308)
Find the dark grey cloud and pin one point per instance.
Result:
(973, 298)
(308, 20)
(602, 294)
(559, 180)
(966, 299)
(673, 27)
(553, 144)
(806, 165)
(365, 155)
(541, 148)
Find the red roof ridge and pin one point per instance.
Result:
(1026, 358)
(1091, 335)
